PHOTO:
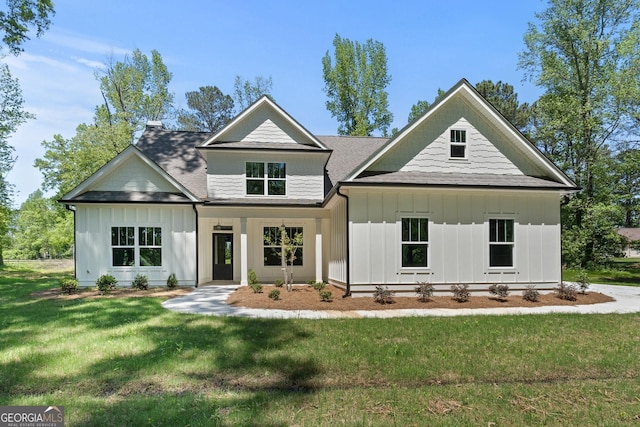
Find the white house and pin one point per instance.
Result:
(457, 196)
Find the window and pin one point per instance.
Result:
(275, 177)
(150, 241)
(458, 144)
(124, 247)
(273, 245)
(501, 242)
(415, 242)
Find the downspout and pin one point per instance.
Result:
(347, 292)
(195, 210)
(75, 266)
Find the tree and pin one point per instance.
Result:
(136, 90)
(15, 22)
(246, 93)
(503, 97)
(355, 85)
(626, 185)
(583, 53)
(210, 110)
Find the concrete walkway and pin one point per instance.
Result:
(211, 300)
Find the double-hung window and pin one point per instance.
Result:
(458, 144)
(415, 242)
(273, 245)
(266, 179)
(501, 242)
(126, 251)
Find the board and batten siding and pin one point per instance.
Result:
(338, 243)
(226, 178)
(458, 237)
(93, 236)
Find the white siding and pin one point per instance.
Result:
(338, 243)
(458, 237)
(263, 125)
(134, 175)
(93, 242)
(226, 173)
(268, 131)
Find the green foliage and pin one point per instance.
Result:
(567, 291)
(274, 294)
(140, 282)
(69, 286)
(583, 281)
(246, 93)
(530, 294)
(460, 292)
(172, 281)
(424, 291)
(355, 85)
(253, 277)
(278, 283)
(319, 286)
(209, 110)
(382, 295)
(325, 296)
(19, 17)
(503, 97)
(499, 290)
(106, 283)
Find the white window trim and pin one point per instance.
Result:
(136, 247)
(264, 225)
(401, 242)
(488, 242)
(459, 144)
(265, 178)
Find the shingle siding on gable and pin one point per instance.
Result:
(134, 175)
(268, 132)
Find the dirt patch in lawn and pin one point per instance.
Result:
(116, 293)
(307, 298)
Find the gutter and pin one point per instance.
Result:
(75, 265)
(195, 210)
(347, 292)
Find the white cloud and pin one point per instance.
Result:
(82, 43)
(89, 63)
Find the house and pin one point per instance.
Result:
(457, 196)
(631, 238)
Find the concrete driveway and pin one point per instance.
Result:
(211, 300)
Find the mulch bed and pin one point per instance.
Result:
(91, 293)
(306, 298)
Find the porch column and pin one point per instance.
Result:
(244, 272)
(318, 250)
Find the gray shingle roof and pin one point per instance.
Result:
(349, 152)
(130, 196)
(245, 145)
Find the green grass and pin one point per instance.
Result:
(128, 361)
(621, 271)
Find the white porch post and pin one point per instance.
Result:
(318, 250)
(244, 272)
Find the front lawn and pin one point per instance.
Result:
(620, 271)
(127, 361)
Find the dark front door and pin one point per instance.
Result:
(222, 256)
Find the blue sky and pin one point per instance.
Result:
(429, 45)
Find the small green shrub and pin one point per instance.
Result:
(278, 283)
(310, 282)
(274, 294)
(460, 292)
(424, 291)
(567, 292)
(256, 288)
(319, 286)
(172, 281)
(106, 283)
(382, 295)
(325, 296)
(501, 291)
(582, 279)
(253, 278)
(530, 294)
(140, 282)
(69, 286)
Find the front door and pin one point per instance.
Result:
(222, 256)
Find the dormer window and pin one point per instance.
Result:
(266, 179)
(458, 144)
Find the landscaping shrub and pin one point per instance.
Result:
(424, 291)
(69, 286)
(325, 296)
(382, 295)
(460, 292)
(582, 279)
(256, 288)
(530, 294)
(106, 283)
(140, 282)
(567, 292)
(172, 281)
(318, 286)
(278, 283)
(253, 278)
(274, 294)
(501, 291)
